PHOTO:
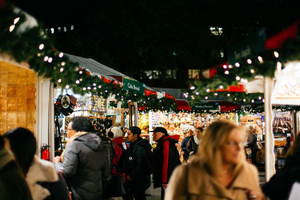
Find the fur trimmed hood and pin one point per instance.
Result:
(40, 171)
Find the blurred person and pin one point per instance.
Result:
(252, 143)
(184, 151)
(165, 158)
(116, 135)
(280, 184)
(219, 170)
(42, 179)
(195, 141)
(84, 162)
(12, 182)
(137, 179)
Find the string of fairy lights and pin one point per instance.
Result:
(264, 65)
(34, 47)
(37, 49)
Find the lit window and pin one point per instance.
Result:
(216, 30)
(192, 73)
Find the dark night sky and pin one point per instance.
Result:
(113, 31)
(275, 13)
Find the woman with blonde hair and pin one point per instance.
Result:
(219, 170)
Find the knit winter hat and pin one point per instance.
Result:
(117, 132)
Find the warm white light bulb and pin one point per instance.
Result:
(252, 71)
(249, 61)
(11, 28)
(237, 64)
(61, 69)
(59, 80)
(260, 59)
(41, 47)
(279, 66)
(237, 78)
(62, 63)
(226, 72)
(80, 72)
(77, 81)
(206, 97)
(67, 86)
(46, 58)
(207, 90)
(50, 60)
(61, 54)
(16, 20)
(221, 87)
(192, 87)
(276, 54)
(224, 66)
(197, 93)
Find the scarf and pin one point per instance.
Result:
(76, 135)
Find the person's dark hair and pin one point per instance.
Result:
(160, 129)
(200, 129)
(110, 134)
(80, 123)
(23, 145)
(1, 142)
(135, 130)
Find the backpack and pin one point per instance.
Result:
(110, 150)
(127, 161)
(149, 169)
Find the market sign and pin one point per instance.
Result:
(287, 87)
(137, 87)
(206, 106)
(250, 47)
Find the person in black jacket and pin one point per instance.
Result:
(280, 184)
(184, 151)
(84, 162)
(137, 179)
(252, 143)
(165, 158)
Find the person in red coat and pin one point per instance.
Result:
(165, 158)
(118, 140)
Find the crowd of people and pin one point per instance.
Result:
(119, 166)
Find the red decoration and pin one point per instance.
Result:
(2, 4)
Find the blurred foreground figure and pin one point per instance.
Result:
(279, 186)
(12, 182)
(219, 170)
(40, 175)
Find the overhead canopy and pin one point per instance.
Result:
(99, 69)
(182, 105)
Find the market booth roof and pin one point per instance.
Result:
(108, 73)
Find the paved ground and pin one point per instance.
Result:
(155, 193)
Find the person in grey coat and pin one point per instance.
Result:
(84, 163)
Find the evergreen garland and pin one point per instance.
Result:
(37, 49)
(264, 64)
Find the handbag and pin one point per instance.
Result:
(115, 187)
